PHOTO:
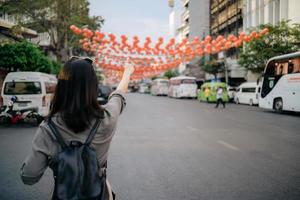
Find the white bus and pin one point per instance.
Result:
(33, 89)
(247, 93)
(160, 86)
(182, 86)
(281, 83)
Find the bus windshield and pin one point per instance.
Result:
(164, 83)
(188, 81)
(21, 88)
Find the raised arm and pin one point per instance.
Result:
(123, 85)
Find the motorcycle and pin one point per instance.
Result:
(9, 115)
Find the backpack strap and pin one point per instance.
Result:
(57, 134)
(93, 132)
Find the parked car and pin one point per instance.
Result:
(133, 87)
(160, 87)
(208, 92)
(32, 89)
(103, 94)
(182, 86)
(248, 93)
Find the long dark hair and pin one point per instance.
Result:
(75, 97)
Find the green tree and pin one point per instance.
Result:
(25, 56)
(214, 67)
(282, 38)
(54, 17)
(171, 73)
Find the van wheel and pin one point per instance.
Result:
(278, 105)
(251, 102)
(33, 119)
(237, 101)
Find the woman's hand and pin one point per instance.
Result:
(123, 85)
(128, 70)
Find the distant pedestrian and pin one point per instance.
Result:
(220, 97)
(74, 139)
(207, 93)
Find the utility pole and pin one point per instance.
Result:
(226, 70)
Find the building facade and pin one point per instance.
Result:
(258, 12)
(194, 22)
(9, 31)
(226, 17)
(8, 23)
(174, 19)
(195, 18)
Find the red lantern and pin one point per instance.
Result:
(228, 45)
(265, 31)
(208, 39)
(73, 27)
(219, 38)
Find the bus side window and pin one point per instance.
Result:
(296, 65)
(290, 67)
(280, 70)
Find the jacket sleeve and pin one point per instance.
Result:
(116, 103)
(36, 162)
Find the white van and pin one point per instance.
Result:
(247, 93)
(182, 86)
(160, 86)
(144, 88)
(33, 89)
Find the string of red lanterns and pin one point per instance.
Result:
(152, 58)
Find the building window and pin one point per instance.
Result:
(270, 20)
(276, 11)
(187, 36)
(261, 13)
(249, 13)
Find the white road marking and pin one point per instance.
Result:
(229, 146)
(170, 118)
(192, 128)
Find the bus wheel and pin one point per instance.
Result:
(251, 102)
(278, 105)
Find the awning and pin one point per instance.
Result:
(25, 31)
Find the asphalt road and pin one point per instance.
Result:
(174, 149)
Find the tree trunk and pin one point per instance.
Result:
(216, 76)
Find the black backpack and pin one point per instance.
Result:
(76, 170)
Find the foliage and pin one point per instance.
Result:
(214, 67)
(56, 66)
(283, 38)
(54, 17)
(25, 56)
(171, 73)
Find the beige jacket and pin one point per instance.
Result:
(45, 145)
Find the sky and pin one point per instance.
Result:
(133, 17)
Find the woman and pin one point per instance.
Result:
(74, 110)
